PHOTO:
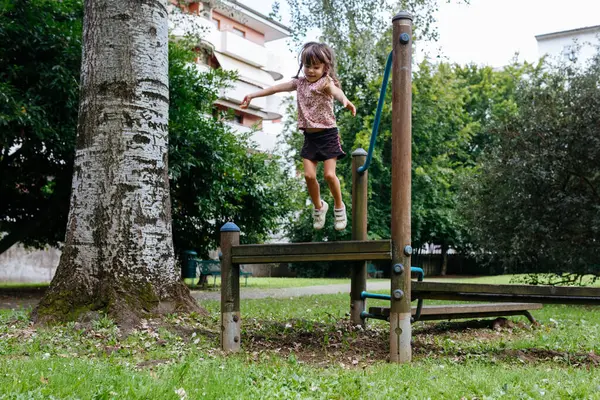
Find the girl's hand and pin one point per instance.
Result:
(246, 101)
(350, 106)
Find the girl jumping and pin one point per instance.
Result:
(315, 93)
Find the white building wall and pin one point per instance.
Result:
(561, 46)
(243, 49)
(240, 89)
(18, 264)
(253, 62)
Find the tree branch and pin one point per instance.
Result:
(580, 176)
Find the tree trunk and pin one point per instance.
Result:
(118, 255)
(444, 259)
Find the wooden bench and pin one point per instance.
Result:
(245, 275)
(373, 271)
(459, 311)
(213, 268)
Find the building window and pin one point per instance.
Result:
(239, 32)
(217, 23)
(239, 119)
(569, 53)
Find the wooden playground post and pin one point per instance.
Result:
(359, 232)
(400, 310)
(230, 290)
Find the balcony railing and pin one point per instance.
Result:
(239, 90)
(226, 42)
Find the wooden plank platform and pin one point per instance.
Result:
(314, 251)
(459, 311)
(505, 293)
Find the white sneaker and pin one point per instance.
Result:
(340, 218)
(319, 215)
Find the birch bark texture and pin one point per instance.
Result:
(118, 254)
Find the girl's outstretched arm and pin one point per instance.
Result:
(339, 95)
(282, 87)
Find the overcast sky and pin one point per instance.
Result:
(491, 31)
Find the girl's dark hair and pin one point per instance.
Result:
(314, 53)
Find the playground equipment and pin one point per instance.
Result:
(366, 295)
(360, 250)
(448, 312)
(397, 251)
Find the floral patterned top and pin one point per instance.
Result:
(315, 106)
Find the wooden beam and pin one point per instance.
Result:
(230, 291)
(400, 328)
(458, 311)
(310, 258)
(349, 246)
(358, 275)
(507, 289)
(320, 251)
(506, 293)
(448, 309)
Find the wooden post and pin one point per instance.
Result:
(230, 290)
(359, 232)
(400, 313)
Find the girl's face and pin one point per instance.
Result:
(314, 71)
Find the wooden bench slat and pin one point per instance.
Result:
(459, 311)
(519, 290)
(466, 308)
(351, 246)
(261, 259)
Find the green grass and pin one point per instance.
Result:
(450, 361)
(253, 283)
(23, 285)
(237, 378)
(70, 362)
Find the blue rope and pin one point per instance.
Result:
(386, 75)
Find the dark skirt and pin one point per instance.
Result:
(322, 145)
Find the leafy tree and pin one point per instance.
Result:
(534, 202)
(442, 134)
(40, 58)
(441, 125)
(442, 130)
(215, 175)
(490, 96)
(355, 29)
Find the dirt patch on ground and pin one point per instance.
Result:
(496, 324)
(348, 346)
(317, 344)
(590, 359)
(20, 298)
(23, 292)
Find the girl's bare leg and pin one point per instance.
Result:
(333, 182)
(310, 175)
